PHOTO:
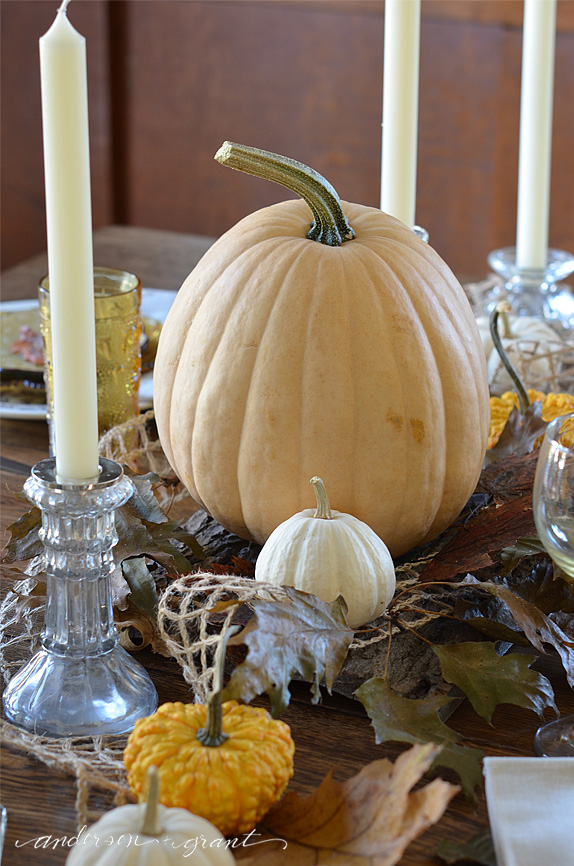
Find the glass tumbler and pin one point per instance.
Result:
(117, 304)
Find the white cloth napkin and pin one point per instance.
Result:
(531, 810)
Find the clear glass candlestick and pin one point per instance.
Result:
(535, 291)
(421, 233)
(82, 682)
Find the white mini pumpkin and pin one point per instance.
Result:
(329, 553)
(150, 834)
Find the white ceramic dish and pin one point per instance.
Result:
(155, 305)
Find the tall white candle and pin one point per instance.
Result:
(535, 133)
(400, 108)
(70, 255)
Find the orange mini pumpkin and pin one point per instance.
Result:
(226, 762)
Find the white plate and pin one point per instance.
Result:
(155, 305)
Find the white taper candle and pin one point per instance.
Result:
(70, 255)
(535, 133)
(400, 109)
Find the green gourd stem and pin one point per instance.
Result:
(212, 734)
(330, 225)
(500, 310)
(323, 510)
(151, 825)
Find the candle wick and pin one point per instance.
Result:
(63, 7)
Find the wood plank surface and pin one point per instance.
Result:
(161, 259)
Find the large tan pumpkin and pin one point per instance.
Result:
(284, 358)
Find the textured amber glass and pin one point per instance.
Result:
(117, 301)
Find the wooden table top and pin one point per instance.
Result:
(337, 733)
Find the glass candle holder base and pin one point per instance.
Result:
(82, 682)
(534, 291)
(556, 739)
(64, 697)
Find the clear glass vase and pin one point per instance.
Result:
(82, 682)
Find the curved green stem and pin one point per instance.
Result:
(151, 825)
(330, 225)
(323, 509)
(502, 309)
(212, 734)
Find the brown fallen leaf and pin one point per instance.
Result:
(538, 628)
(368, 820)
(299, 635)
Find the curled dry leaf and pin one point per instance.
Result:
(137, 630)
(519, 435)
(368, 820)
(538, 628)
(408, 720)
(301, 635)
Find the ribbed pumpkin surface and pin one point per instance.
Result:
(284, 358)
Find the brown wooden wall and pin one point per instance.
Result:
(170, 80)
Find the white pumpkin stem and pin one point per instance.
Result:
(330, 225)
(502, 308)
(151, 825)
(323, 509)
(505, 319)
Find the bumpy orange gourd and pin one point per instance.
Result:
(232, 784)
(352, 354)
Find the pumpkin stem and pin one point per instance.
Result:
(502, 309)
(212, 734)
(323, 509)
(330, 225)
(151, 825)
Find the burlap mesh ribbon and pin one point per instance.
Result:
(185, 623)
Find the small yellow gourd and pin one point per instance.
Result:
(227, 762)
(553, 406)
(150, 835)
(329, 553)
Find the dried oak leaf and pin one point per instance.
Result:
(368, 820)
(488, 679)
(25, 543)
(300, 635)
(406, 720)
(520, 433)
(539, 628)
(144, 529)
(534, 577)
(479, 850)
